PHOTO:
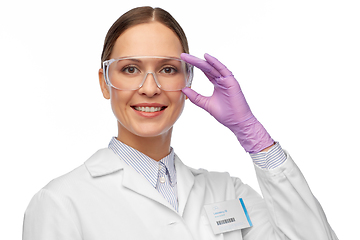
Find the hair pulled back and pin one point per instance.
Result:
(138, 16)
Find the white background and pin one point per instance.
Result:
(297, 63)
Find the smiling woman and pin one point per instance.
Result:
(148, 132)
(138, 188)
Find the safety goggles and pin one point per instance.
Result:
(130, 73)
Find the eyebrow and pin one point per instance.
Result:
(132, 59)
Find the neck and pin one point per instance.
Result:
(156, 147)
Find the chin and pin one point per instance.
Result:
(153, 133)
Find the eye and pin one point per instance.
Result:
(130, 70)
(169, 70)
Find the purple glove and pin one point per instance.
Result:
(228, 104)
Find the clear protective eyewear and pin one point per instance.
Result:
(130, 73)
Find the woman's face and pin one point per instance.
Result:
(148, 39)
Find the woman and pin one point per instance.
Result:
(137, 188)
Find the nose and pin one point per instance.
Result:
(150, 86)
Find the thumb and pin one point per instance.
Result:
(196, 98)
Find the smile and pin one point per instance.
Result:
(149, 109)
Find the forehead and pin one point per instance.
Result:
(147, 39)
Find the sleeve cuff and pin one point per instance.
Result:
(270, 159)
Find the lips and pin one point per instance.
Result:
(149, 107)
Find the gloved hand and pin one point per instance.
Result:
(227, 104)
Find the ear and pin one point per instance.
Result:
(104, 87)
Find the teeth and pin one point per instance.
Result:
(148, 109)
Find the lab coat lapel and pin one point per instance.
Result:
(105, 162)
(137, 183)
(185, 182)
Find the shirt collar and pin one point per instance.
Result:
(143, 164)
(169, 162)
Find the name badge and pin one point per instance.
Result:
(228, 216)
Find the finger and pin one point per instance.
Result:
(201, 64)
(221, 68)
(196, 98)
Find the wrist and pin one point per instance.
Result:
(268, 148)
(253, 137)
(270, 159)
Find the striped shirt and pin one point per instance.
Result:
(271, 159)
(162, 174)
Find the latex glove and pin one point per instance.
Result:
(227, 104)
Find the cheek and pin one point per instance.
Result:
(118, 101)
(178, 100)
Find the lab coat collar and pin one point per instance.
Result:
(185, 182)
(105, 162)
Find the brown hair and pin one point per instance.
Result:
(138, 16)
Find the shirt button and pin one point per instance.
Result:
(162, 179)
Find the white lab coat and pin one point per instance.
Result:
(107, 199)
